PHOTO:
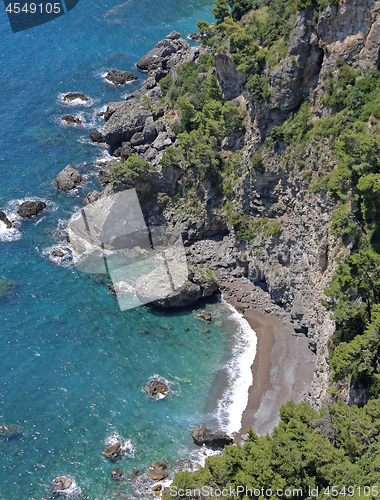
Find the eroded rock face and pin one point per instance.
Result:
(119, 77)
(156, 387)
(69, 178)
(165, 55)
(216, 439)
(230, 80)
(97, 136)
(30, 208)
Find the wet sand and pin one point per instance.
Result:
(283, 366)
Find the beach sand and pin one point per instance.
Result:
(283, 366)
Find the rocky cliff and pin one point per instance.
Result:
(291, 252)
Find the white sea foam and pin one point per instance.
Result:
(75, 102)
(10, 211)
(127, 447)
(233, 403)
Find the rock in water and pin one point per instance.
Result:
(6, 288)
(158, 466)
(117, 474)
(206, 316)
(97, 136)
(119, 77)
(156, 387)
(68, 178)
(173, 35)
(10, 431)
(71, 119)
(6, 221)
(61, 485)
(29, 208)
(58, 253)
(71, 96)
(217, 439)
(156, 475)
(113, 451)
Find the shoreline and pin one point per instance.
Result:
(283, 367)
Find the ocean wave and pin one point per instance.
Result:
(231, 406)
(127, 447)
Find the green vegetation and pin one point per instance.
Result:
(246, 228)
(339, 446)
(130, 169)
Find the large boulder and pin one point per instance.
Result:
(181, 296)
(157, 475)
(119, 77)
(7, 222)
(30, 208)
(204, 436)
(97, 136)
(63, 486)
(68, 178)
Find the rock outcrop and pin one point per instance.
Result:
(230, 80)
(97, 136)
(215, 439)
(71, 120)
(60, 486)
(156, 387)
(113, 452)
(69, 178)
(5, 220)
(29, 208)
(119, 77)
(72, 96)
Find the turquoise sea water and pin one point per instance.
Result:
(72, 365)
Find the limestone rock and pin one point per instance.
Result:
(216, 439)
(173, 35)
(119, 77)
(30, 208)
(68, 178)
(61, 485)
(230, 80)
(92, 197)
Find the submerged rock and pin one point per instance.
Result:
(68, 178)
(71, 96)
(71, 119)
(30, 208)
(206, 316)
(10, 431)
(217, 439)
(113, 451)
(6, 288)
(117, 474)
(119, 77)
(7, 222)
(156, 387)
(158, 465)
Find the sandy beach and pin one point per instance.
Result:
(283, 366)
